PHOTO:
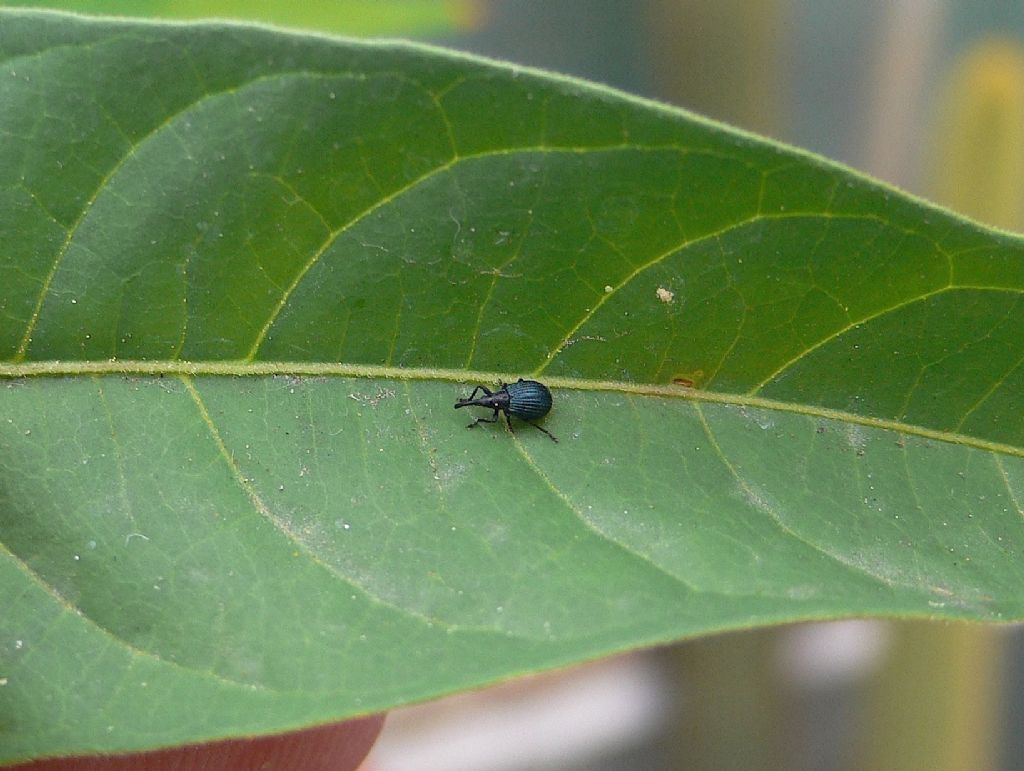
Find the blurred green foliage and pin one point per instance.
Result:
(406, 18)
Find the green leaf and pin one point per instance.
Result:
(244, 277)
(421, 18)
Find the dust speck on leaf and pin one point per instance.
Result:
(758, 498)
(856, 439)
(665, 295)
(373, 401)
(573, 340)
(449, 475)
(763, 419)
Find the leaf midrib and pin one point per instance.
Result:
(237, 368)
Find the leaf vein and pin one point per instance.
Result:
(136, 652)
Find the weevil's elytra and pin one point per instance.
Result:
(527, 400)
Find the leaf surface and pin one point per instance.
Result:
(246, 274)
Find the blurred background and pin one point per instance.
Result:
(925, 94)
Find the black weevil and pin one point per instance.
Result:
(528, 400)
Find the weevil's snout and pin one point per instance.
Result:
(483, 401)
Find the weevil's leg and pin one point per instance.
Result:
(484, 420)
(508, 419)
(550, 435)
